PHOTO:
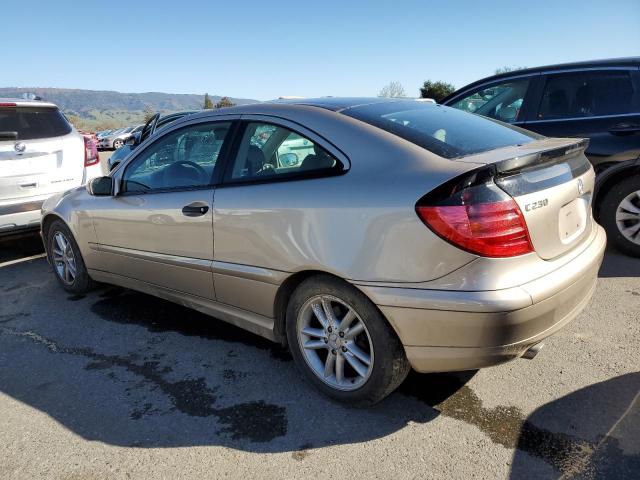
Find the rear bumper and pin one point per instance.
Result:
(455, 330)
(16, 217)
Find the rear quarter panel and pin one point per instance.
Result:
(360, 225)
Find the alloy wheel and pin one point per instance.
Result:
(64, 261)
(335, 342)
(628, 217)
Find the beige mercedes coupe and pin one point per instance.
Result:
(370, 235)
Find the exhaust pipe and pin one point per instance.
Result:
(531, 353)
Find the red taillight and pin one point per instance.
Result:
(91, 156)
(489, 229)
(8, 104)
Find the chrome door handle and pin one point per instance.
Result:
(196, 209)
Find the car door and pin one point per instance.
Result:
(507, 100)
(265, 206)
(602, 105)
(158, 227)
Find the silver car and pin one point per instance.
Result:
(402, 235)
(117, 138)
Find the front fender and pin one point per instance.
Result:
(71, 208)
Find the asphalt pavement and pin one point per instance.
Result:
(118, 384)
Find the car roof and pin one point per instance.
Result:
(21, 102)
(589, 64)
(337, 104)
(279, 107)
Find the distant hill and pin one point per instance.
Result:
(97, 109)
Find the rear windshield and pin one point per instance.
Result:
(31, 123)
(445, 131)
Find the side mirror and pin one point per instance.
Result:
(100, 187)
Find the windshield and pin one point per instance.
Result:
(445, 131)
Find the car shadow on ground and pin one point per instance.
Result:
(583, 450)
(618, 264)
(17, 247)
(128, 369)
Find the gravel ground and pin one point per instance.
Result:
(117, 384)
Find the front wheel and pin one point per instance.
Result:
(66, 260)
(342, 343)
(620, 215)
(117, 144)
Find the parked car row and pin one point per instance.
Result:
(369, 235)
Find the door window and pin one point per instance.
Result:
(184, 158)
(501, 101)
(587, 94)
(272, 151)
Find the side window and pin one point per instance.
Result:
(587, 94)
(271, 151)
(181, 159)
(501, 101)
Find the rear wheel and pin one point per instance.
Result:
(342, 343)
(117, 143)
(620, 215)
(66, 260)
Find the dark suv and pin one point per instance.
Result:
(598, 100)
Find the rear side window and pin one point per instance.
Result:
(33, 122)
(445, 131)
(587, 94)
(268, 152)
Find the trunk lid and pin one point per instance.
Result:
(45, 166)
(552, 182)
(40, 153)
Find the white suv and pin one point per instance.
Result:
(40, 154)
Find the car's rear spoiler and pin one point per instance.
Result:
(538, 159)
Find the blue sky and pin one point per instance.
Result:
(265, 49)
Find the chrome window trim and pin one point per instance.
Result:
(595, 117)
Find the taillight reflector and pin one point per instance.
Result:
(495, 229)
(91, 156)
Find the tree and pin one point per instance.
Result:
(507, 69)
(436, 90)
(208, 104)
(149, 112)
(224, 102)
(392, 90)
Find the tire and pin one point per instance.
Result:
(617, 212)
(78, 283)
(388, 365)
(117, 143)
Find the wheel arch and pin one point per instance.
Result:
(46, 222)
(607, 179)
(287, 288)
